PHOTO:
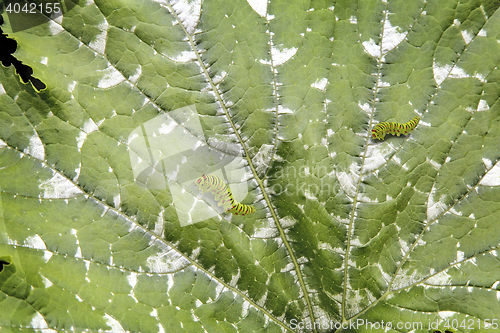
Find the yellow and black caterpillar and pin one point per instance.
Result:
(380, 130)
(223, 195)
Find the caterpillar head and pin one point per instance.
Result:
(376, 134)
(201, 181)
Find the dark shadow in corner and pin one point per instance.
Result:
(7, 48)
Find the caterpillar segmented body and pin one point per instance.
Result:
(223, 195)
(381, 129)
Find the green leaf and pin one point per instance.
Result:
(102, 226)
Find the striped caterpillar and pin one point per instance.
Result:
(381, 129)
(223, 195)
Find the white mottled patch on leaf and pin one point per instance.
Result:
(421, 242)
(235, 278)
(480, 77)
(482, 105)
(365, 107)
(375, 157)
(78, 253)
(47, 255)
(458, 73)
(35, 148)
(167, 262)
(263, 158)
(46, 282)
(354, 299)
(58, 187)
(135, 77)
(165, 128)
(349, 180)
(55, 28)
(219, 77)
(44, 60)
(372, 48)
(99, 43)
(77, 172)
(259, 6)
(424, 123)
(482, 33)
(446, 314)
(283, 110)
(353, 19)
(71, 86)
(132, 279)
(110, 78)
(387, 277)
(467, 36)
(90, 126)
(356, 242)
(189, 13)
(454, 211)
(434, 208)
(382, 84)
(287, 222)
(324, 142)
(310, 194)
(39, 323)
(440, 72)
(184, 56)
(114, 324)
(406, 278)
(265, 61)
(159, 225)
(404, 246)
(460, 256)
(434, 164)
(392, 37)
(280, 56)
(492, 178)
(2, 90)
(487, 163)
(12, 241)
(117, 200)
(320, 84)
(35, 242)
(218, 290)
(265, 233)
